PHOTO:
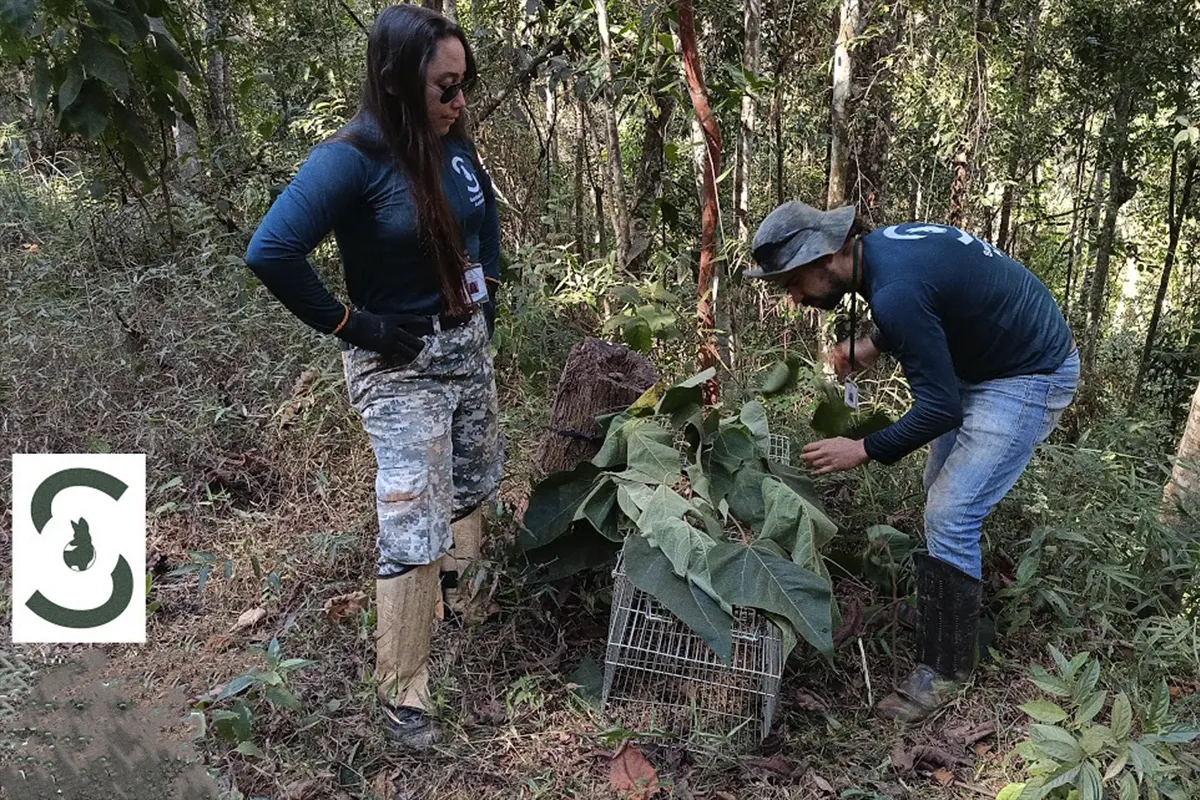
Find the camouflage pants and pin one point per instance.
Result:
(434, 428)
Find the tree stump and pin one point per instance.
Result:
(599, 377)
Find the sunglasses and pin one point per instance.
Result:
(451, 91)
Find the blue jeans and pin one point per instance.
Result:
(971, 468)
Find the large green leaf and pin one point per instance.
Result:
(831, 418)
(68, 92)
(665, 503)
(732, 446)
(650, 570)
(652, 454)
(104, 61)
(169, 53)
(745, 498)
(553, 504)
(787, 633)
(600, 509)
(637, 334)
(1056, 743)
(754, 417)
(633, 498)
(91, 113)
(781, 375)
(800, 483)
(109, 17)
(615, 450)
(581, 549)
(863, 425)
(755, 577)
(683, 545)
(687, 395)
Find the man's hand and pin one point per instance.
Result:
(834, 455)
(864, 356)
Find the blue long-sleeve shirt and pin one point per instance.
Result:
(366, 202)
(951, 308)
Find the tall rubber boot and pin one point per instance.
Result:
(405, 609)
(949, 602)
(459, 569)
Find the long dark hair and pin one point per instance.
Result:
(393, 122)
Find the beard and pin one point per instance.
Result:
(827, 301)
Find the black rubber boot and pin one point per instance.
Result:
(948, 602)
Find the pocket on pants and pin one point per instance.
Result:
(405, 506)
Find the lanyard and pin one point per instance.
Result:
(857, 251)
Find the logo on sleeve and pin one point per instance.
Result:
(472, 180)
(913, 233)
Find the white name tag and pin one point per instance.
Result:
(851, 396)
(476, 285)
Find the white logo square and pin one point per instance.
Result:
(79, 548)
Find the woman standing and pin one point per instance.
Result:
(416, 224)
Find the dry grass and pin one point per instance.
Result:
(275, 477)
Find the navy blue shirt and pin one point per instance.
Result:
(951, 308)
(367, 204)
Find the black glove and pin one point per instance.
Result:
(386, 334)
(489, 308)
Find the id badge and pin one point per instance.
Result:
(851, 396)
(476, 285)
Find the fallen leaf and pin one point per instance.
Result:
(724, 796)
(970, 734)
(630, 772)
(303, 789)
(774, 764)
(249, 619)
(219, 643)
(345, 605)
(822, 784)
(902, 760)
(489, 712)
(383, 786)
(944, 776)
(982, 750)
(810, 702)
(932, 756)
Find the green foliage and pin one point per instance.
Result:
(1069, 754)
(707, 522)
(106, 69)
(646, 314)
(259, 688)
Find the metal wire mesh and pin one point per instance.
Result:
(661, 679)
(780, 449)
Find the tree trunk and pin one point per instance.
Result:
(1077, 202)
(708, 283)
(186, 146)
(450, 10)
(648, 182)
(599, 377)
(1116, 181)
(870, 169)
(777, 124)
(1026, 98)
(218, 106)
(1174, 225)
(580, 143)
(976, 96)
(620, 205)
(745, 143)
(843, 77)
(1180, 491)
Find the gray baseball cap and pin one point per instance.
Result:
(795, 234)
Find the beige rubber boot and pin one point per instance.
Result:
(464, 559)
(406, 606)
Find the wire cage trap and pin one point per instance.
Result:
(661, 679)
